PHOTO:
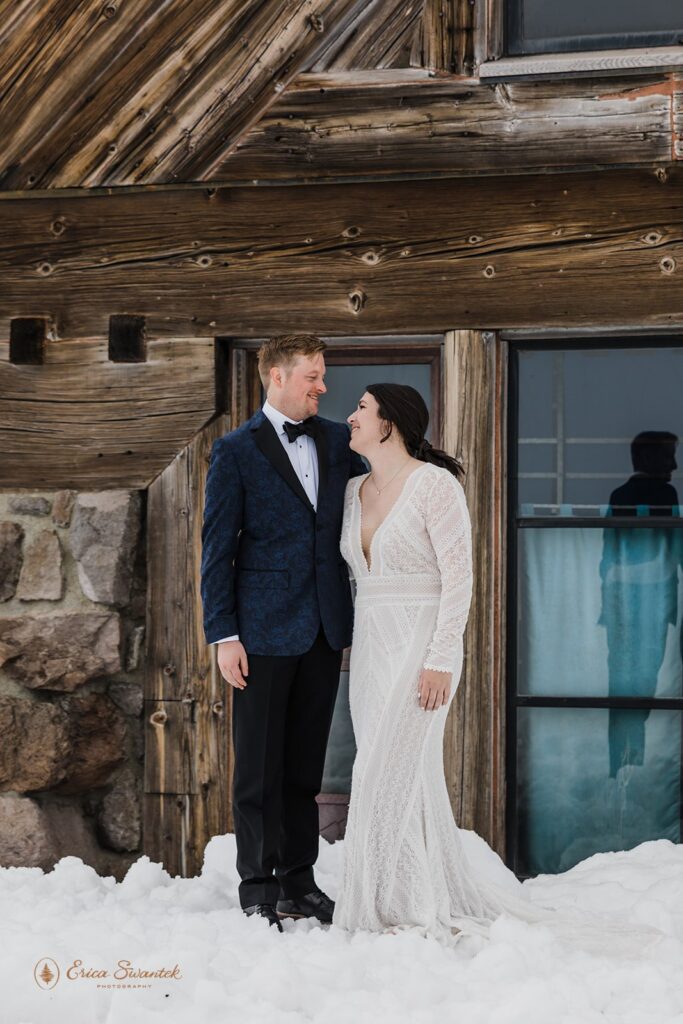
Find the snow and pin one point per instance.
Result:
(238, 970)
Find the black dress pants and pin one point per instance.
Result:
(281, 724)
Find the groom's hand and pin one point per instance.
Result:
(232, 661)
(433, 689)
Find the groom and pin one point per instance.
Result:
(277, 602)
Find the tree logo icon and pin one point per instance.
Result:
(46, 972)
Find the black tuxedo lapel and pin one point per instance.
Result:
(271, 446)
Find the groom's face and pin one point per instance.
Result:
(296, 389)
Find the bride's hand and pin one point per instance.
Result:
(433, 689)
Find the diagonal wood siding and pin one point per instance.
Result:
(148, 91)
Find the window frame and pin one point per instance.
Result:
(493, 63)
(517, 342)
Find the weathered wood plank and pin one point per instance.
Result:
(543, 251)
(149, 90)
(595, 62)
(81, 421)
(335, 126)
(474, 738)
(380, 36)
(447, 37)
(187, 711)
(176, 830)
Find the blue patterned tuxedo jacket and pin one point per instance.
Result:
(271, 569)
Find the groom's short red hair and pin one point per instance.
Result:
(282, 350)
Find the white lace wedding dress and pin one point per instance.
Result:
(403, 864)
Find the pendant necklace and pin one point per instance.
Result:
(380, 489)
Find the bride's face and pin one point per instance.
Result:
(366, 426)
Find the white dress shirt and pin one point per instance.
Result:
(304, 458)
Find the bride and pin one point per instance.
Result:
(406, 537)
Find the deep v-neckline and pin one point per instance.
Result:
(388, 516)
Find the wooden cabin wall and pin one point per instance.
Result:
(419, 256)
(188, 760)
(475, 416)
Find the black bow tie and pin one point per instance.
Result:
(294, 430)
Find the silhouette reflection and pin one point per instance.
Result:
(639, 574)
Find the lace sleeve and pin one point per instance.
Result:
(448, 524)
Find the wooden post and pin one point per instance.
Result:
(474, 429)
(187, 766)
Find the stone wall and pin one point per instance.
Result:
(72, 615)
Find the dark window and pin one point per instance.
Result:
(551, 26)
(595, 671)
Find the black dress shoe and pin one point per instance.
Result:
(266, 910)
(313, 904)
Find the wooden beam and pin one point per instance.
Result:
(187, 724)
(579, 250)
(349, 125)
(79, 420)
(149, 90)
(474, 743)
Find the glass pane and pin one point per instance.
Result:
(598, 432)
(345, 386)
(600, 612)
(541, 26)
(594, 780)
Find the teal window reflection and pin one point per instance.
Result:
(596, 672)
(571, 806)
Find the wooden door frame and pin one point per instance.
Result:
(470, 401)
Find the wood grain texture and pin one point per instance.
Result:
(186, 706)
(474, 737)
(95, 93)
(544, 251)
(81, 421)
(447, 36)
(332, 125)
(380, 36)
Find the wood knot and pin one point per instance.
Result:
(473, 239)
(352, 232)
(316, 22)
(169, 670)
(652, 237)
(357, 300)
(45, 268)
(370, 257)
(57, 227)
(489, 270)
(109, 10)
(204, 261)
(158, 717)
(667, 265)
(217, 707)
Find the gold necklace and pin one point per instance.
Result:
(380, 489)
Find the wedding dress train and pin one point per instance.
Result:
(403, 863)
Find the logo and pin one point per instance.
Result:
(46, 972)
(126, 974)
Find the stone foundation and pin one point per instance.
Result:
(72, 625)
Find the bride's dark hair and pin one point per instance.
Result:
(403, 407)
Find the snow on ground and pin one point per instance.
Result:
(237, 970)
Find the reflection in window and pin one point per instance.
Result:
(569, 804)
(598, 547)
(587, 439)
(596, 618)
